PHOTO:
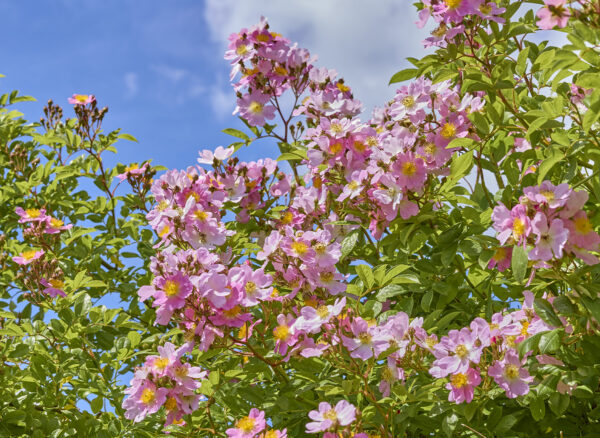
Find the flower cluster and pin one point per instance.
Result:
(42, 230)
(554, 13)
(551, 221)
(254, 426)
(221, 285)
(164, 380)
(451, 16)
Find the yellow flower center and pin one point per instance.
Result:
(518, 228)
(431, 342)
(336, 128)
(162, 205)
(56, 283)
(171, 288)
(201, 215)
(408, 101)
(299, 248)
(330, 415)
(360, 146)
(320, 248)
(461, 351)
(323, 312)
(81, 97)
(232, 313)
(386, 374)
(131, 167)
(164, 231)
(255, 107)
(263, 38)
(33, 213)
(335, 148)
(280, 70)
(171, 404)
(326, 277)
(241, 49)
(246, 424)
(583, 225)
(453, 4)
(449, 130)
(342, 87)
(270, 434)
(365, 338)
(409, 168)
(524, 327)
(430, 148)
(485, 9)
(511, 371)
(56, 223)
(250, 287)
(353, 185)
(372, 141)
(181, 371)
(281, 332)
(500, 254)
(510, 341)
(161, 363)
(548, 194)
(28, 255)
(287, 218)
(147, 396)
(458, 380)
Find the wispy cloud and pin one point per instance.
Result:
(131, 84)
(176, 85)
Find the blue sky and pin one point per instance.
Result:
(158, 65)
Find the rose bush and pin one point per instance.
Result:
(430, 270)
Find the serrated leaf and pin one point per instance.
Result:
(349, 243)
(550, 341)
(365, 273)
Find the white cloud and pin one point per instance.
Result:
(365, 41)
(131, 84)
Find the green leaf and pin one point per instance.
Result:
(389, 291)
(537, 406)
(545, 311)
(404, 75)
(128, 137)
(134, 338)
(563, 305)
(593, 306)
(349, 243)
(550, 341)
(522, 61)
(97, 404)
(559, 403)
(528, 345)
(591, 115)
(365, 273)
(548, 163)
(237, 133)
(519, 263)
(449, 424)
